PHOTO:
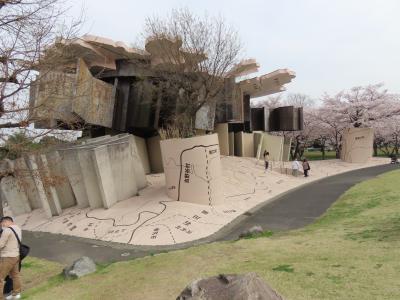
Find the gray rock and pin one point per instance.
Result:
(230, 287)
(79, 268)
(257, 229)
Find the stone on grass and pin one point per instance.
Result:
(79, 268)
(230, 287)
(257, 229)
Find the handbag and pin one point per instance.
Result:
(23, 249)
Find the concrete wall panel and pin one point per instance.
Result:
(231, 139)
(154, 152)
(193, 169)
(104, 174)
(15, 196)
(357, 145)
(142, 152)
(222, 130)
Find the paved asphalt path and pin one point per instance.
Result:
(292, 210)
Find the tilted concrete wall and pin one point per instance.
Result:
(49, 186)
(15, 196)
(223, 137)
(33, 166)
(142, 152)
(154, 152)
(62, 186)
(123, 171)
(193, 169)
(238, 143)
(231, 140)
(75, 176)
(357, 145)
(248, 144)
(24, 176)
(104, 175)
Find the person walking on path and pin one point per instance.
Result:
(295, 167)
(266, 160)
(9, 257)
(306, 167)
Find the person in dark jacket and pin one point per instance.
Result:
(266, 160)
(306, 167)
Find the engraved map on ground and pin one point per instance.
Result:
(154, 219)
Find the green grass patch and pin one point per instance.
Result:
(351, 252)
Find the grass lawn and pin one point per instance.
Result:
(317, 155)
(352, 252)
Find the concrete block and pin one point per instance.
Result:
(142, 152)
(24, 176)
(222, 130)
(231, 138)
(15, 196)
(49, 186)
(154, 152)
(123, 169)
(248, 144)
(33, 166)
(239, 143)
(193, 169)
(104, 174)
(75, 176)
(90, 179)
(62, 185)
(357, 145)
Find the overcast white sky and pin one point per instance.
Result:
(330, 44)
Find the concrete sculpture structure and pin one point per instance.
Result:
(96, 173)
(192, 169)
(357, 145)
(115, 88)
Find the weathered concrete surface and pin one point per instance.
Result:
(142, 152)
(94, 100)
(61, 183)
(123, 171)
(90, 179)
(75, 176)
(223, 137)
(357, 145)
(49, 186)
(24, 175)
(193, 169)
(45, 205)
(104, 174)
(154, 152)
(15, 195)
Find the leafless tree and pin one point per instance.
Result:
(27, 28)
(195, 54)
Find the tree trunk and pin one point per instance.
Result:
(375, 149)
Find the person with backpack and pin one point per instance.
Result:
(10, 247)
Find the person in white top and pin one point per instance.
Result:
(9, 257)
(295, 167)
